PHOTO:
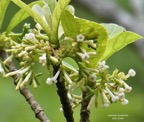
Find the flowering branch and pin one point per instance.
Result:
(39, 112)
(57, 36)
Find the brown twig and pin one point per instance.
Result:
(39, 112)
(85, 114)
(67, 108)
(62, 92)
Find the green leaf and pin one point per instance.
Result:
(91, 30)
(20, 16)
(94, 31)
(48, 14)
(35, 16)
(51, 4)
(113, 29)
(60, 7)
(3, 7)
(118, 42)
(69, 24)
(68, 66)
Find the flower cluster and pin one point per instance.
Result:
(34, 47)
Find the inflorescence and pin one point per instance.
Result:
(34, 47)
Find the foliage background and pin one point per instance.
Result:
(14, 108)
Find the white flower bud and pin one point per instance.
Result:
(49, 81)
(131, 73)
(105, 100)
(23, 53)
(26, 79)
(61, 109)
(38, 26)
(2, 70)
(67, 77)
(113, 98)
(121, 95)
(90, 43)
(127, 87)
(69, 96)
(124, 101)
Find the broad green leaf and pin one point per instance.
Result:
(60, 7)
(20, 16)
(94, 31)
(68, 66)
(35, 16)
(51, 4)
(69, 24)
(3, 7)
(48, 14)
(118, 42)
(113, 29)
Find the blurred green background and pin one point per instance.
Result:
(14, 108)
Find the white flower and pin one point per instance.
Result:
(84, 56)
(80, 38)
(49, 81)
(131, 73)
(124, 101)
(2, 70)
(30, 36)
(113, 98)
(102, 66)
(92, 77)
(43, 59)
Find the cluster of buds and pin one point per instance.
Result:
(112, 88)
(32, 47)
